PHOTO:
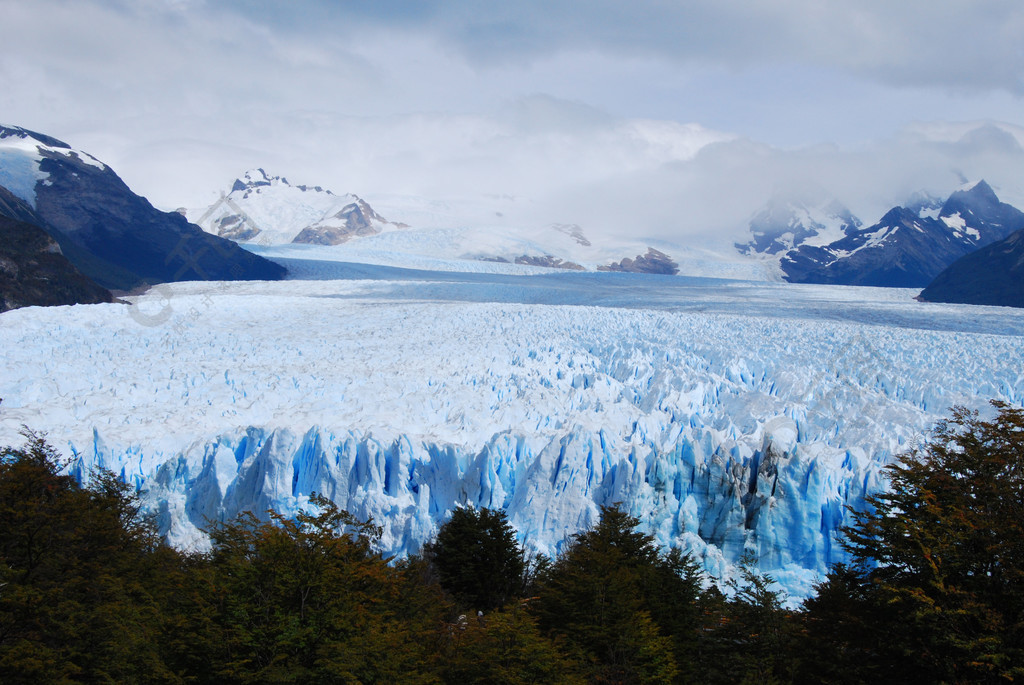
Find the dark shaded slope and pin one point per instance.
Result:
(993, 275)
(33, 272)
(98, 212)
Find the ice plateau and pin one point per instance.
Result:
(728, 416)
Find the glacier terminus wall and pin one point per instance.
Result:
(727, 416)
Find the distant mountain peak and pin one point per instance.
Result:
(788, 221)
(256, 179)
(269, 210)
(977, 192)
(924, 204)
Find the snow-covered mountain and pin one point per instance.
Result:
(908, 247)
(115, 237)
(727, 416)
(787, 223)
(269, 210)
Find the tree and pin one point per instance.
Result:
(604, 596)
(308, 600)
(850, 635)
(478, 559)
(503, 648)
(752, 638)
(79, 594)
(944, 545)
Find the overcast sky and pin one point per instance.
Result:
(682, 116)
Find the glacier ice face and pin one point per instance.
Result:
(727, 416)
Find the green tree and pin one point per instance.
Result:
(752, 636)
(503, 648)
(79, 592)
(849, 635)
(308, 600)
(478, 559)
(603, 594)
(945, 545)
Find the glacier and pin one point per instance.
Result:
(729, 416)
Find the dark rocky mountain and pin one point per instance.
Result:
(993, 275)
(908, 247)
(902, 250)
(33, 272)
(654, 262)
(112, 235)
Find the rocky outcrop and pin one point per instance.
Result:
(574, 232)
(654, 262)
(548, 261)
(356, 219)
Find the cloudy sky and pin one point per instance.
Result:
(671, 118)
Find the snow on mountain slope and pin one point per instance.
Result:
(489, 235)
(457, 230)
(787, 223)
(726, 415)
(269, 210)
(458, 234)
(911, 245)
(21, 151)
(110, 234)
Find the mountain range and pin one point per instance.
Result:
(908, 247)
(118, 240)
(264, 210)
